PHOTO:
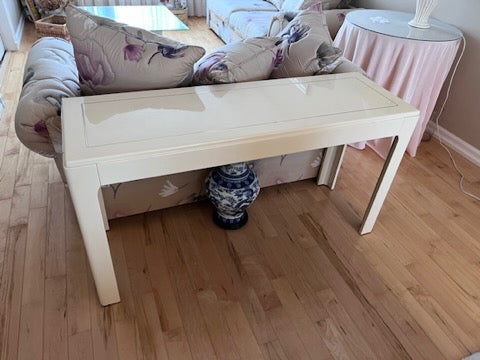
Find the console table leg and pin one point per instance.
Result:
(387, 175)
(86, 194)
(330, 166)
(106, 225)
(59, 162)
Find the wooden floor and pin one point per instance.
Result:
(297, 282)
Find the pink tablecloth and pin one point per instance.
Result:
(411, 69)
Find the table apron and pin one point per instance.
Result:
(202, 157)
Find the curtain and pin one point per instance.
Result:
(197, 7)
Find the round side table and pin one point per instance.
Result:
(412, 63)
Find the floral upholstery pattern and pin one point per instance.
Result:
(113, 57)
(50, 75)
(247, 60)
(306, 47)
(166, 191)
(334, 19)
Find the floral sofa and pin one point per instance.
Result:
(51, 75)
(234, 20)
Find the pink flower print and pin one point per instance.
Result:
(92, 63)
(41, 129)
(206, 65)
(316, 7)
(133, 52)
(278, 58)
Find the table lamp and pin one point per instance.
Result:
(422, 13)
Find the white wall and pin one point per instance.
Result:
(11, 24)
(462, 113)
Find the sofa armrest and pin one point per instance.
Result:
(280, 21)
(50, 75)
(346, 66)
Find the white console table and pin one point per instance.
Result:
(124, 137)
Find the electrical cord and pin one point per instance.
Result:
(462, 176)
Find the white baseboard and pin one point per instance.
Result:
(462, 147)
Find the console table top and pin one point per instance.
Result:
(98, 128)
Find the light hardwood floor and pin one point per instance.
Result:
(297, 282)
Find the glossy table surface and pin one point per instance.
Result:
(160, 120)
(395, 23)
(151, 18)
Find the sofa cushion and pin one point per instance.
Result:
(248, 60)
(292, 5)
(252, 23)
(343, 65)
(224, 8)
(335, 18)
(306, 47)
(50, 75)
(114, 57)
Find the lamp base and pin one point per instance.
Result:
(419, 25)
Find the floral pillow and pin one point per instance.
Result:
(248, 60)
(306, 48)
(113, 57)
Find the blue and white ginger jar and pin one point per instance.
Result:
(232, 189)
